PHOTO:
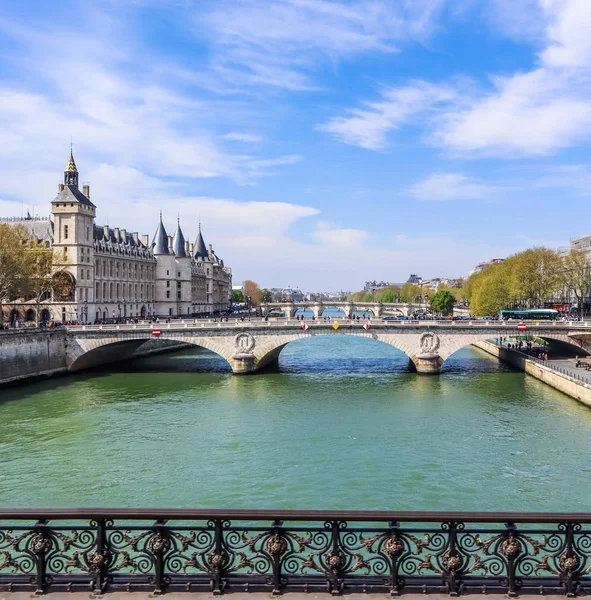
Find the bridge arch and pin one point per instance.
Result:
(92, 352)
(451, 344)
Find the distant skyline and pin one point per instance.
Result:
(322, 143)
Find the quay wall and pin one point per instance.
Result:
(27, 354)
(560, 381)
(35, 353)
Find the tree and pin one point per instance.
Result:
(443, 302)
(251, 290)
(12, 263)
(389, 294)
(237, 297)
(266, 295)
(537, 273)
(577, 275)
(409, 292)
(490, 289)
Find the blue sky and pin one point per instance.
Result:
(321, 142)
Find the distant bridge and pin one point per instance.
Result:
(253, 345)
(348, 308)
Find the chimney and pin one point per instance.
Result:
(170, 242)
(136, 239)
(116, 233)
(191, 248)
(145, 239)
(60, 187)
(124, 236)
(106, 231)
(187, 248)
(209, 249)
(86, 190)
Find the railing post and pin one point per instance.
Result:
(394, 547)
(510, 548)
(98, 562)
(452, 562)
(39, 544)
(569, 562)
(276, 546)
(158, 545)
(334, 561)
(216, 560)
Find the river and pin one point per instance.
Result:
(344, 425)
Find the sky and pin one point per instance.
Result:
(321, 143)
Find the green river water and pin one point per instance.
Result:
(344, 425)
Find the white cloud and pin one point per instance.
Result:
(243, 137)
(369, 127)
(279, 43)
(349, 238)
(452, 186)
(526, 114)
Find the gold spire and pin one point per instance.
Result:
(71, 168)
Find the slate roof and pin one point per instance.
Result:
(160, 241)
(71, 194)
(200, 247)
(178, 243)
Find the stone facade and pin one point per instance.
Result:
(115, 274)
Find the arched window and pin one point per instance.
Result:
(97, 291)
(135, 297)
(111, 291)
(130, 291)
(118, 290)
(104, 291)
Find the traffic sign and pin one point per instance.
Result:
(521, 326)
(156, 332)
(305, 326)
(335, 326)
(366, 326)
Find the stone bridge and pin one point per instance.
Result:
(252, 346)
(348, 308)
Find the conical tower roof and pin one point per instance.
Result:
(71, 166)
(200, 247)
(160, 241)
(178, 243)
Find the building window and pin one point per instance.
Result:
(170, 312)
(88, 234)
(168, 284)
(87, 273)
(178, 274)
(81, 273)
(168, 293)
(168, 272)
(65, 232)
(178, 295)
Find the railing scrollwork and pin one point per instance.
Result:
(305, 551)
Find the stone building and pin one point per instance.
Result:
(113, 274)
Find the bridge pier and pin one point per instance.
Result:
(428, 363)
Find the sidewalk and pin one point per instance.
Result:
(241, 596)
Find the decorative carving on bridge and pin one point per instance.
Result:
(244, 343)
(429, 342)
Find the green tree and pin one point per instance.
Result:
(490, 290)
(443, 302)
(577, 275)
(409, 292)
(266, 295)
(237, 297)
(13, 263)
(536, 274)
(389, 294)
(368, 297)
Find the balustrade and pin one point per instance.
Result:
(221, 551)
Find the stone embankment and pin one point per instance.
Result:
(562, 381)
(30, 353)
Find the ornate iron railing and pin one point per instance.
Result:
(221, 551)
